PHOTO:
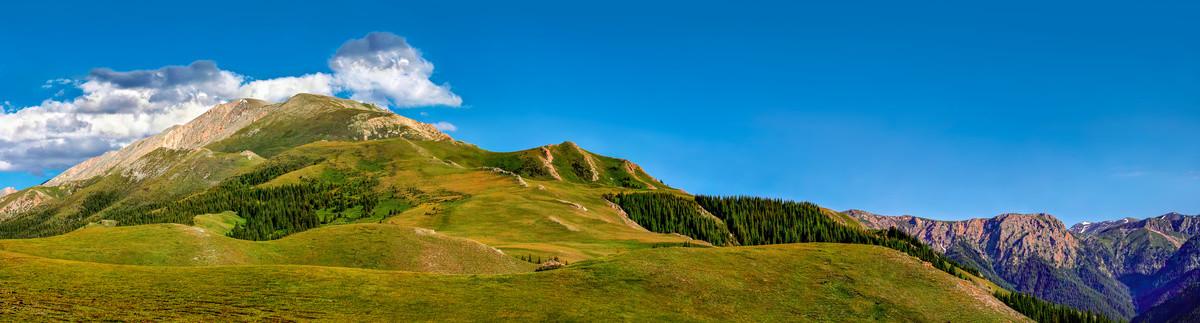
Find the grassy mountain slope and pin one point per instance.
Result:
(371, 246)
(452, 194)
(160, 176)
(568, 162)
(765, 283)
(306, 118)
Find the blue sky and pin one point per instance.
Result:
(1087, 111)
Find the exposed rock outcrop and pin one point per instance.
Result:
(22, 201)
(550, 265)
(7, 191)
(1006, 239)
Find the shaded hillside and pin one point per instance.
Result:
(1182, 269)
(1180, 309)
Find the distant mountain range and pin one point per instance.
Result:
(1121, 267)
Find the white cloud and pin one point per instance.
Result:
(444, 126)
(117, 108)
(383, 69)
(279, 89)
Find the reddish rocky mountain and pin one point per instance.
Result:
(1118, 267)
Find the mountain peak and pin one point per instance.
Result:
(1096, 227)
(216, 124)
(7, 191)
(301, 119)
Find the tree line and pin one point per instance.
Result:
(669, 213)
(1047, 312)
(758, 221)
(748, 221)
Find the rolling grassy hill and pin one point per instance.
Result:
(763, 283)
(371, 246)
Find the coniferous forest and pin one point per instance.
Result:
(752, 221)
(269, 212)
(669, 213)
(1047, 312)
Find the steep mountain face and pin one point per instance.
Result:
(1133, 250)
(7, 191)
(1005, 240)
(1089, 227)
(1181, 270)
(1184, 260)
(217, 124)
(1124, 266)
(1182, 308)
(1033, 253)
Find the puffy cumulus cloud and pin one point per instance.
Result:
(383, 69)
(116, 108)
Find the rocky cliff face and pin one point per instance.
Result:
(7, 191)
(1007, 239)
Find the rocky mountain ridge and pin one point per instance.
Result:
(221, 128)
(1117, 262)
(217, 124)
(1005, 239)
(1089, 227)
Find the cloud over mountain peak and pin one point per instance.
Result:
(116, 108)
